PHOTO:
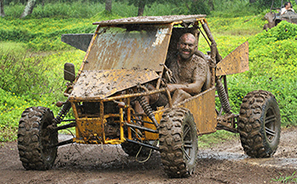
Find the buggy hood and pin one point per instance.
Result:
(104, 83)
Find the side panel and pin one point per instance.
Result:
(235, 62)
(202, 107)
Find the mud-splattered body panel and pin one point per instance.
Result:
(126, 48)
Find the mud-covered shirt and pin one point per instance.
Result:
(188, 72)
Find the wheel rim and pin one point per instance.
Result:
(188, 143)
(270, 125)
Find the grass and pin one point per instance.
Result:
(209, 140)
(286, 179)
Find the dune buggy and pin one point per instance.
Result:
(122, 57)
(275, 18)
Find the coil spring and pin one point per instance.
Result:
(223, 97)
(63, 112)
(147, 109)
(145, 106)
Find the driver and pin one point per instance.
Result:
(188, 74)
(288, 7)
(189, 71)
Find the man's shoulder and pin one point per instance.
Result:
(199, 60)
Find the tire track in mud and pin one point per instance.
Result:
(223, 163)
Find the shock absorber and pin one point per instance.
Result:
(223, 96)
(64, 110)
(147, 109)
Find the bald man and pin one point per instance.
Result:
(189, 71)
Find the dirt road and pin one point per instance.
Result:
(224, 163)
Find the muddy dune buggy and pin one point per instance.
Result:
(275, 18)
(122, 57)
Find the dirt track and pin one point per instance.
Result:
(225, 163)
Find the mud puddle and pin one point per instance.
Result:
(242, 158)
(233, 154)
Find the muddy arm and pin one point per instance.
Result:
(200, 74)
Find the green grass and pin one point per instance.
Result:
(286, 179)
(239, 26)
(12, 46)
(209, 140)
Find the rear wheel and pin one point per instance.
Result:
(178, 142)
(259, 124)
(35, 139)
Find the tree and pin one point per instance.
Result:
(140, 4)
(197, 7)
(211, 5)
(29, 8)
(2, 14)
(191, 6)
(108, 5)
(265, 4)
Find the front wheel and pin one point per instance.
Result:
(36, 139)
(259, 124)
(178, 142)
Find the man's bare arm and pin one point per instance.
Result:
(200, 74)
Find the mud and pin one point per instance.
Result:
(107, 82)
(151, 19)
(223, 163)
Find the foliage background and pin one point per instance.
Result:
(32, 55)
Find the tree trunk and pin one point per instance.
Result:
(108, 5)
(252, 1)
(2, 14)
(210, 4)
(188, 7)
(141, 6)
(29, 8)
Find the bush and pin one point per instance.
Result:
(22, 74)
(15, 99)
(272, 68)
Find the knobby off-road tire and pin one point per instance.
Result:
(259, 124)
(178, 142)
(133, 149)
(34, 139)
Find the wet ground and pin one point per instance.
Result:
(223, 163)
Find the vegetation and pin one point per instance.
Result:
(32, 55)
(286, 179)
